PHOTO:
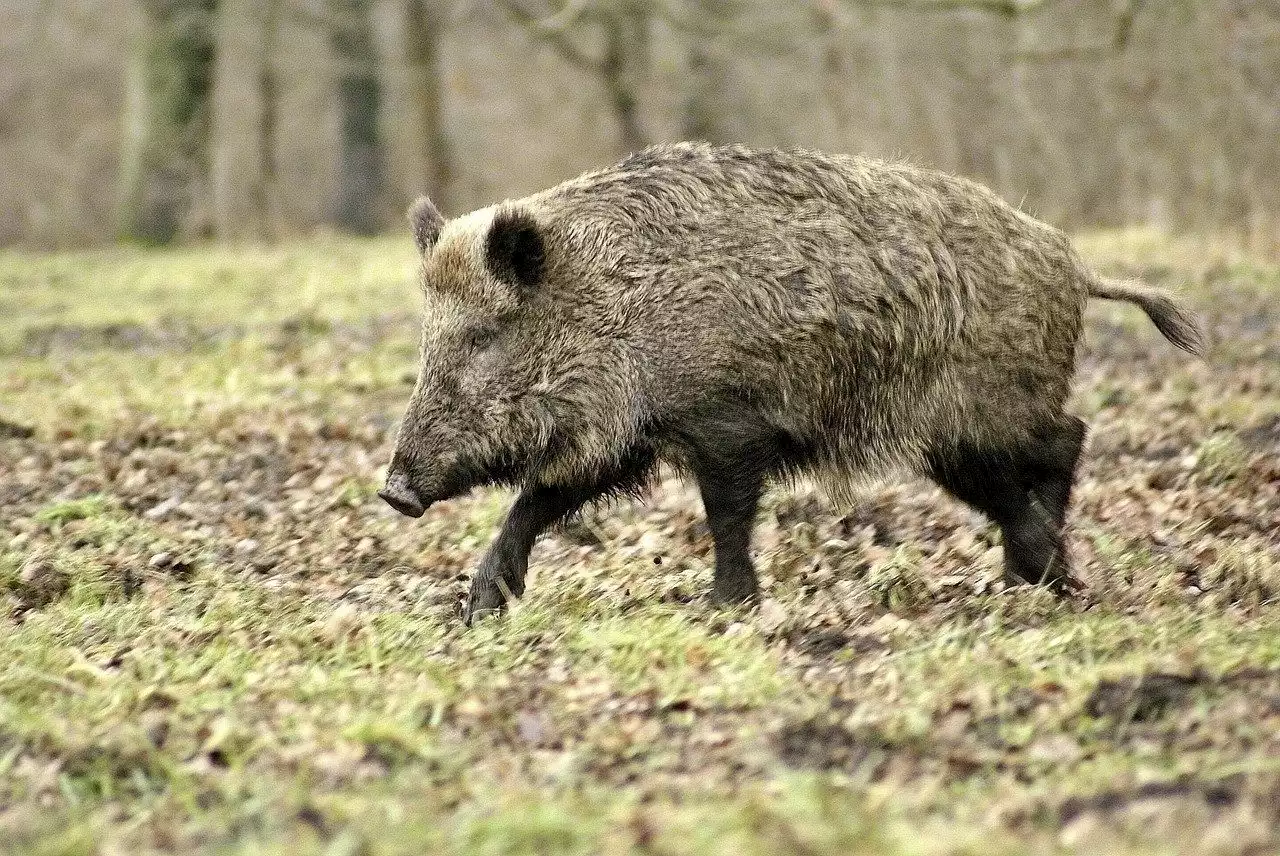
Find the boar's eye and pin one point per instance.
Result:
(479, 338)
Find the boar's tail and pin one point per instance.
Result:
(1173, 320)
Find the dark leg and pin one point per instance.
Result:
(1033, 548)
(733, 451)
(730, 494)
(997, 483)
(1054, 472)
(502, 570)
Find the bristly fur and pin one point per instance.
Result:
(750, 315)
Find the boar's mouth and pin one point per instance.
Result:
(507, 471)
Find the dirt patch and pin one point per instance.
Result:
(1260, 791)
(875, 521)
(821, 642)
(1141, 699)
(15, 431)
(817, 745)
(1217, 794)
(1150, 697)
(164, 337)
(1263, 436)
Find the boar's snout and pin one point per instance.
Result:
(401, 496)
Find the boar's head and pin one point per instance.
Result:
(527, 374)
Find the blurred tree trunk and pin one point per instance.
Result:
(1253, 51)
(265, 200)
(831, 21)
(1044, 166)
(165, 158)
(424, 33)
(625, 67)
(244, 126)
(361, 159)
(709, 68)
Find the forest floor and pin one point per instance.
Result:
(214, 637)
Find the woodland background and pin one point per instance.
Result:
(172, 120)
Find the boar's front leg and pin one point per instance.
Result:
(730, 464)
(730, 498)
(502, 570)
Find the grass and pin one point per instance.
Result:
(213, 638)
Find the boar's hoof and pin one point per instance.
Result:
(1062, 585)
(489, 596)
(475, 611)
(483, 601)
(735, 592)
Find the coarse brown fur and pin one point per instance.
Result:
(747, 315)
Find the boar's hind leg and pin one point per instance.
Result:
(502, 570)
(1003, 483)
(1054, 471)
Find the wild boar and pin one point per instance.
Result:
(747, 316)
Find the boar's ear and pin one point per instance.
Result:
(514, 250)
(427, 223)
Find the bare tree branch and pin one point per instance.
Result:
(1118, 42)
(552, 31)
(566, 17)
(1002, 8)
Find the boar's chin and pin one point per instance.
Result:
(504, 473)
(464, 476)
